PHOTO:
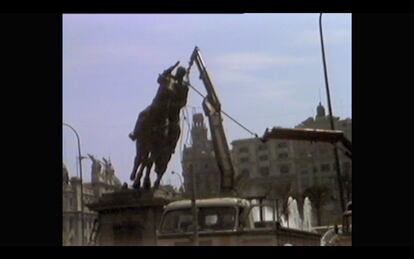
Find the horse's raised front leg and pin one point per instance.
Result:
(137, 182)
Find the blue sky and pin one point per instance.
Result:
(267, 70)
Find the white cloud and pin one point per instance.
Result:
(311, 38)
(193, 23)
(89, 55)
(253, 71)
(175, 27)
(256, 61)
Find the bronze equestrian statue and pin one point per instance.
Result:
(157, 128)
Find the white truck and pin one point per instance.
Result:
(226, 222)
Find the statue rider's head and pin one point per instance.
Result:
(181, 71)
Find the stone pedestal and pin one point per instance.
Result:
(130, 217)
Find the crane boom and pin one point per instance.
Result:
(316, 135)
(212, 109)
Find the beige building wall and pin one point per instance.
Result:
(71, 204)
(302, 163)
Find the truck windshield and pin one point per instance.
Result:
(209, 219)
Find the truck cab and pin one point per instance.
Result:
(220, 217)
(224, 222)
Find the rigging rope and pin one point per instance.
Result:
(188, 125)
(182, 135)
(224, 113)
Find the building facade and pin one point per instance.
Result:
(199, 159)
(103, 181)
(278, 168)
(300, 165)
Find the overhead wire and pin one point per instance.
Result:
(224, 113)
(188, 126)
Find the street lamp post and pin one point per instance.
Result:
(335, 151)
(81, 180)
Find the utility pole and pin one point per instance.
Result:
(194, 206)
(335, 150)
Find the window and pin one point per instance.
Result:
(205, 166)
(282, 144)
(284, 169)
(262, 147)
(346, 167)
(244, 159)
(326, 181)
(244, 150)
(72, 223)
(209, 219)
(264, 171)
(325, 167)
(283, 155)
(267, 214)
(245, 172)
(304, 172)
(305, 183)
(263, 157)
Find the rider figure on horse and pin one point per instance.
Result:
(157, 128)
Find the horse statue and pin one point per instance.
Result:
(157, 128)
(149, 146)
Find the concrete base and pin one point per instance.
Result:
(130, 217)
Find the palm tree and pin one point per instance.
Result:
(319, 196)
(241, 183)
(281, 190)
